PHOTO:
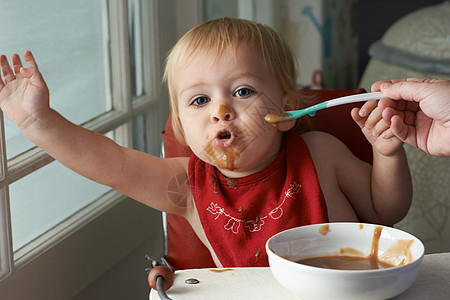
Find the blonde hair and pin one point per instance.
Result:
(223, 34)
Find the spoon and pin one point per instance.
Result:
(294, 114)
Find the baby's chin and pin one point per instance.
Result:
(226, 163)
(223, 161)
(238, 168)
(226, 158)
(239, 172)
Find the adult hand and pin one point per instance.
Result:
(418, 111)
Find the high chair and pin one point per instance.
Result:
(183, 250)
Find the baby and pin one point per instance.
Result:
(247, 179)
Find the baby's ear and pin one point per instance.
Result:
(290, 102)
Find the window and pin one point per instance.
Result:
(262, 11)
(100, 60)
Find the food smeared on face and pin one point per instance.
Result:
(224, 112)
(351, 259)
(225, 148)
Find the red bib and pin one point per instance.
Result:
(239, 215)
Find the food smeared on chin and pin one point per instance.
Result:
(226, 147)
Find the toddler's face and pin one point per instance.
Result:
(222, 101)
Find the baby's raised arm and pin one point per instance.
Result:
(390, 179)
(24, 98)
(24, 95)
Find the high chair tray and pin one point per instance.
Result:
(259, 283)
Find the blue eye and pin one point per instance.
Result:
(200, 101)
(243, 93)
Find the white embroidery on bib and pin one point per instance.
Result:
(234, 224)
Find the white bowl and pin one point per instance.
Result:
(309, 282)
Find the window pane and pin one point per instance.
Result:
(135, 33)
(219, 8)
(67, 39)
(139, 133)
(46, 197)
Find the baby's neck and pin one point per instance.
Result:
(240, 174)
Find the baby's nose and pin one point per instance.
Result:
(223, 112)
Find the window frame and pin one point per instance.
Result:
(6, 254)
(16, 268)
(117, 119)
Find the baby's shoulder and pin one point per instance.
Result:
(323, 145)
(319, 138)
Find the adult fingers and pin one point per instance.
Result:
(407, 90)
(399, 128)
(384, 103)
(408, 117)
(401, 122)
(388, 113)
(376, 85)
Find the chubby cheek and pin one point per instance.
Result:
(195, 140)
(192, 128)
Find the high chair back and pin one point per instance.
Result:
(183, 248)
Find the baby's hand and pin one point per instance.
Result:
(376, 130)
(24, 96)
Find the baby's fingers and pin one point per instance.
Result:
(8, 74)
(368, 107)
(371, 113)
(381, 128)
(32, 67)
(16, 64)
(2, 84)
(376, 124)
(355, 113)
(388, 134)
(29, 59)
(372, 126)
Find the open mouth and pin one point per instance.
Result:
(224, 135)
(224, 138)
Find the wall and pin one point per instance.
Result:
(126, 280)
(375, 17)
